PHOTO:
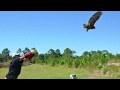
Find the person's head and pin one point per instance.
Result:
(15, 55)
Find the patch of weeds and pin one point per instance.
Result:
(104, 68)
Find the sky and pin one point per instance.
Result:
(45, 30)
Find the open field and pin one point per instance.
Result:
(36, 71)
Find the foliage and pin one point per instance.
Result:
(97, 59)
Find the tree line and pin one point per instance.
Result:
(55, 57)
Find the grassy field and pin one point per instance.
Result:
(36, 71)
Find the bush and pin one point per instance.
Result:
(4, 65)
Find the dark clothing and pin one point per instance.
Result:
(14, 69)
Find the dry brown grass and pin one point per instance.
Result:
(4, 65)
(7, 64)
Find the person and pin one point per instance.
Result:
(16, 64)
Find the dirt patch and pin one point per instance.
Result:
(115, 64)
(95, 74)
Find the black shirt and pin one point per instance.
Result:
(15, 68)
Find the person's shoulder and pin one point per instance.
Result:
(16, 59)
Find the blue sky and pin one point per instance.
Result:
(59, 30)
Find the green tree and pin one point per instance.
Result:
(93, 53)
(26, 50)
(6, 54)
(68, 53)
(117, 56)
(1, 58)
(98, 52)
(33, 48)
(58, 53)
(19, 50)
(105, 52)
(52, 53)
(86, 53)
